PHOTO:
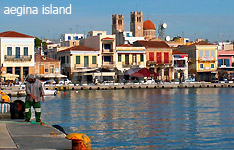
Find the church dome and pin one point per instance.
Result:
(148, 25)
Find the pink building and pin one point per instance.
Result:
(226, 64)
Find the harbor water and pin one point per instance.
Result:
(193, 118)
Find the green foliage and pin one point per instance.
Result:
(38, 42)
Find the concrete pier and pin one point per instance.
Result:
(114, 86)
(20, 135)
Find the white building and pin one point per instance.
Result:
(180, 63)
(71, 37)
(126, 37)
(17, 53)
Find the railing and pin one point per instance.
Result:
(127, 65)
(18, 58)
(76, 66)
(155, 62)
(107, 50)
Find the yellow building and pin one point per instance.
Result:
(105, 44)
(17, 54)
(130, 57)
(202, 60)
(78, 59)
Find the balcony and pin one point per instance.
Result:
(81, 66)
(133, 65)
(108, 64)
(206, 59)
(158, 63)
(18, 58)
(107, 51)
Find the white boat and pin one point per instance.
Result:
(50, 92)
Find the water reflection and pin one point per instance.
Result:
(147, 118)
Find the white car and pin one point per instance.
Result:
(65, 81)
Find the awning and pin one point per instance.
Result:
(144, 73)
(9, 76)
(60, 76)
(104, 74)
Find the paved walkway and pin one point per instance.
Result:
(27, 136)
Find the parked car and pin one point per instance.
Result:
(214, 80)
(65, 81)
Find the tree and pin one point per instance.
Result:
(38, 42)
(206, 40)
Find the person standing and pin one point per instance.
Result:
(34, 93)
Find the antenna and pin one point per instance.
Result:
(161, 30)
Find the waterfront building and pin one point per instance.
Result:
(45, 65)
(158, 58)
(180, 65)
(129, 56)
(17, 53)
(106, 46)
(202, 60)
(78, 59)
(226, 64)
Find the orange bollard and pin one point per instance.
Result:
(79, 141)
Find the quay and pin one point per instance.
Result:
(115, 86)
(21, 135)
(18, 92)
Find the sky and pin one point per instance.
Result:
(207, 19)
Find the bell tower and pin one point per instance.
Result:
(117, 23)
(136, 24)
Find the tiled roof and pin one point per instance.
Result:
(39, 58)
(178, 52)
(148, 25)
(152, 44)
(201, 43)
(78, 48)
(14, 34)
(108, 38)
(124, 45)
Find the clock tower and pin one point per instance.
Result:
(136, 24)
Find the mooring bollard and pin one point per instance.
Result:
(80, 141)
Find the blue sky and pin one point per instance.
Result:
(212, 19)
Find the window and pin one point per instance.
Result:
(107, 58)
(207, 53)
(151, 56)
(9, 51)
(25, 51)
(120, 22)
(62, 60)
(94, 59)
(17, 52)
(127, 34)
(9, 70)
(200, 53)
(107, 46)
(212, 53)
(69, 37)
(201, 66)
(166, 57)
(51, 69)
(159, 57)
(142, 57)
(76, 38)
(77, 59)
(46, 70)
(225, 62)
(212, 66)
(119, 58)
